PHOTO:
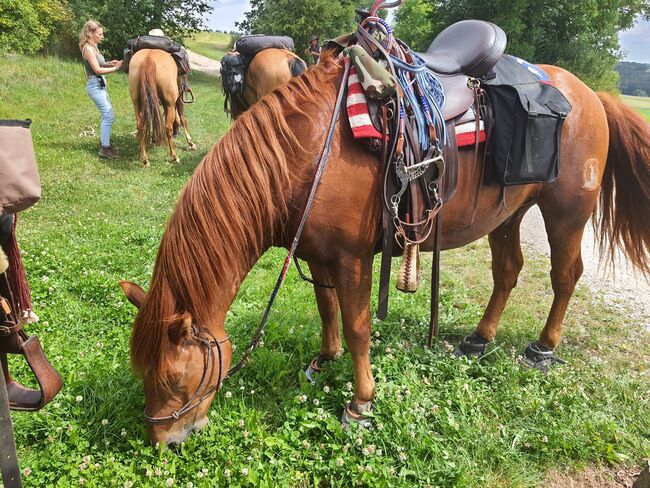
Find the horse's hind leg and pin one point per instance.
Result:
(180, 110)
(564, 228)
(142, 137)
(328, 308)
(170, 115)
(507, 261)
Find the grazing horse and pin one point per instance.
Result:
(246, 197)
(269, 69)
(154, 81)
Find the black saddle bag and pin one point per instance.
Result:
(528, 119)
(232, 74)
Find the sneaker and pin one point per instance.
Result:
(107, 152)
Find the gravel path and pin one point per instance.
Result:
(626, 290)
(204, 64)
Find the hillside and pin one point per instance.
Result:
(635, 78)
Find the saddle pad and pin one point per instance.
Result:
(357, 107)
(465, 130)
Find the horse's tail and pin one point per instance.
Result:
(150, 103)
(297, 66)
(625, 193)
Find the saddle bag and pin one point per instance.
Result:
(20, 185)
(528, 118)
(252, 44)
(233, 68)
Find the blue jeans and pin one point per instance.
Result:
(99, 95)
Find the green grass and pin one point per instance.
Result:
(211, 44)
(641, 104)
(438, 421)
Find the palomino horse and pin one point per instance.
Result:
(154, 80)
(246, 197)
(268, 69)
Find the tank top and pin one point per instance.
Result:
(100, 60)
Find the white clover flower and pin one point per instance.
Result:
(123, 433)
(204, 471)
(348, 385)
(339, 461)
(358, 441)
(27, 471)
(316, 401)
(376, 333)
(226, 473)
(544, 439)
(199, 475)
(46, 279)
(365, 451)
(104, 421)
(402, 456)
(244, 471)
(245, 433)
(158, 472)
(241, 422)
(82, 481)
(149, 473)
(79, 398)
(59, 429)
(229, 394)
(128, 484)
(189, 484)
(302, 398)
(252, 392)
(170, 482)
(326, 389)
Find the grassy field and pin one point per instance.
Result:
(211, 44)
(439, 421)
(642, 104)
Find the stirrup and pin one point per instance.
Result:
(408, 277)
(186, 100)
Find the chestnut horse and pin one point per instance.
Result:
(154, 81)
(246, 197)
(268, 69)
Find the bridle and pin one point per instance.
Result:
(209, 342)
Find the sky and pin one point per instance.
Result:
(634, 42)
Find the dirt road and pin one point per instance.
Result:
(626, 290)
(204, 64)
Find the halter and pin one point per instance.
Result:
(208, 362)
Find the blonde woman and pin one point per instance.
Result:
(96, 67)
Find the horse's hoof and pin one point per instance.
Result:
(355, 415)
(471, 346)
(192, 146)
(145, 164)
(176, 160)
(315, 367)
(540, 357)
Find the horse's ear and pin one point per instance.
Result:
(181, 329)
(134, 293)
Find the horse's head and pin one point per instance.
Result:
(182, 369)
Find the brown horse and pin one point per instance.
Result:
(244, 198)
(154, 81)
(269, 69)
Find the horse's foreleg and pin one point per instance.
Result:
(170, 115)
(180, 109)
(328, 309)
(507, 261)
(353, 285)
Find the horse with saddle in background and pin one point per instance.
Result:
(157, 78)
(328, 202)
(255, 67)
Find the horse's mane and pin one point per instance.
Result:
(233, 207)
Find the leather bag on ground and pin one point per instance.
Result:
(20, 185)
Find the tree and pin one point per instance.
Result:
(300, 19)
(580, 35)
(126, 19)
(29, 25)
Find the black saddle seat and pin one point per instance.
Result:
(470, 47)
(252, 44)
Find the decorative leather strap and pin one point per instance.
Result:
(8, 457)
